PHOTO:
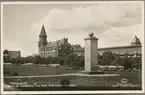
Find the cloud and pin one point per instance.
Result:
(102, 15)
(104, 19)
(118, 36)
(113, 23)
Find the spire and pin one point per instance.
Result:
(43, 32)
(136, 41)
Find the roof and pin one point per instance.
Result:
(43, 32)
(135, 41)
(119, 47)
(116, 47)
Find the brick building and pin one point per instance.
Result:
(12, 54)
(134, 49)
(53, 49)
(63, 48)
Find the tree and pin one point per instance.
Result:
(107, 58)
(60, 60)
(6, 59)
(53, 60)
(28, 59)
(79, 62)
(22, 60)
(138, 63)
(128, 63)
(46, 60)
(118, 61)
(37, 60)
(13, 60)
(68, 59)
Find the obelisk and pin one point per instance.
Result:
(91, 57)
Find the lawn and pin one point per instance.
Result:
(36, 70)
(81, 82)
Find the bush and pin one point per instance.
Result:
(107, 58)
(53, 60)
(60, 61)
(6, 72)
(65, 82)
(37, 60)
(128, 63)
(15, 74)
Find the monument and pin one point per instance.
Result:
(91, 56)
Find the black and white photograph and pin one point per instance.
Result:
(72, 47)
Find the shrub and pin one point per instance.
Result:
(128, 63)
(6, 72)
(107, 58)
(37, 60)
(65, 82)
(15, 74)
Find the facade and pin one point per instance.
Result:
(53, 49)
(63, 48)
(12, 54)
(78, 50)
(130, 49)
(134, 49)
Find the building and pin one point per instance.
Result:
(134, 49)
(63, 48)
(53, 49)
(34, 55)
(78, 50)
(12, 54)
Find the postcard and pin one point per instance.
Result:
(72, 47)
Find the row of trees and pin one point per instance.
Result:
(19, 60)
(108, 58)
(69, 60)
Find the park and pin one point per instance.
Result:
(92, 72)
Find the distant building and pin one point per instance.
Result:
(78, 50)
(63, 48)
(34, 55)
(53, 49)
(12, 54)
(134, 49)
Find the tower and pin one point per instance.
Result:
(42, 42)
(43, 36)
(136, 41)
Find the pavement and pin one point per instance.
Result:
(69, 74)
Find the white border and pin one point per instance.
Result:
(70, 92)
(1, 48)
(143, 44)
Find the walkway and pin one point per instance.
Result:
(69, 74)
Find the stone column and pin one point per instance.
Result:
(91, 56)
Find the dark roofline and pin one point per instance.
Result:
(116, 47)
(119, 47)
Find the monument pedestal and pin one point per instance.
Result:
(91, 56)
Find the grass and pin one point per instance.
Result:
(37, 70)
(79, 81)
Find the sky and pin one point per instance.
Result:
(114, 23)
